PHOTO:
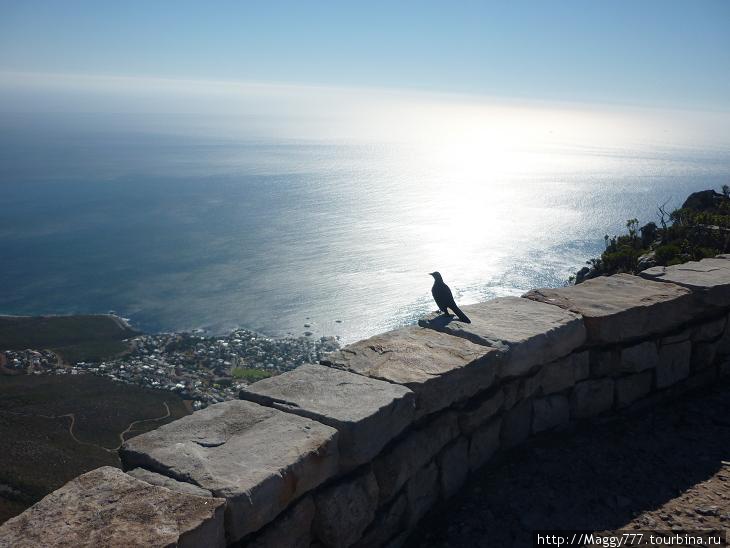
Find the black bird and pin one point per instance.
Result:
(444, 298)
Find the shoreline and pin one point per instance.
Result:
(195, 365)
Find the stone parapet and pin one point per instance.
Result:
(354, 451)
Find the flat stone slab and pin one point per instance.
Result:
(708, 278)
(258, 458)
(531, 332)
(439, 368)
(154, 478)
(367, 412)
(108, 508)
(623, 307)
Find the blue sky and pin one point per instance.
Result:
(668, 53)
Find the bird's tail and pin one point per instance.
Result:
(463, 317)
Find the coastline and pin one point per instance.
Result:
(197, 366)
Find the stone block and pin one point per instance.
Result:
(398, 541)
(677, 337)
(453, 463)
(389, 520)
(258, 458)
(699, 379)
(723, 345)
(622, 307)
(516, 424)
(550, 412)
(581, 365)
(709, 331)
(439, 368)
(367, 412)
(564, 373)
(533, 333)
(292, 529)
(344, 510)
(395, 466)
(709, 279)
(605, 363)
(633, 387)
(639, 357)
(532, 385)
(164, 481)
(591, 397)
(106, 507)
(512, 391)
(703, 355)
(480, 412)
(422, 491)
(484, 443)
(674, 363)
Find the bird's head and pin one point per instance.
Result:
(436, 275)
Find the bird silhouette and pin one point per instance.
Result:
(444, 298)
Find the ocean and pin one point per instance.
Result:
(286, 236)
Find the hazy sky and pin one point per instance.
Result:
(664, 53)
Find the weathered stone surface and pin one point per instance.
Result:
(532, 332)
(422, 491)
(292, 529)
(674, 363)
(258, 458)
(709, 279)
(439, 368)
(453, 463)
(703, 355)
(550, 412)
(680, 336)
(344, 510)
(389, 520)
(699, 379)
(531, 385)
(709, 331)
(367, 412)
(565, 372)
(723, 344)
(512, 390)
(516, 424)
(397, 465)
(623, 307)
(605, 363)
(398, 541)
(591, 397)
(484, 443)
(154, 478)
(632, 387)
(473, 417)
(108, 508)
(639, 357)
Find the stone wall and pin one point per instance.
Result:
(354, 451)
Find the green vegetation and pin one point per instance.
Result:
(249, 374)
(698, 229)
(76, 338)
(39, 453)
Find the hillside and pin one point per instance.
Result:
(59, 426)
(76, 338)
(700, 228)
